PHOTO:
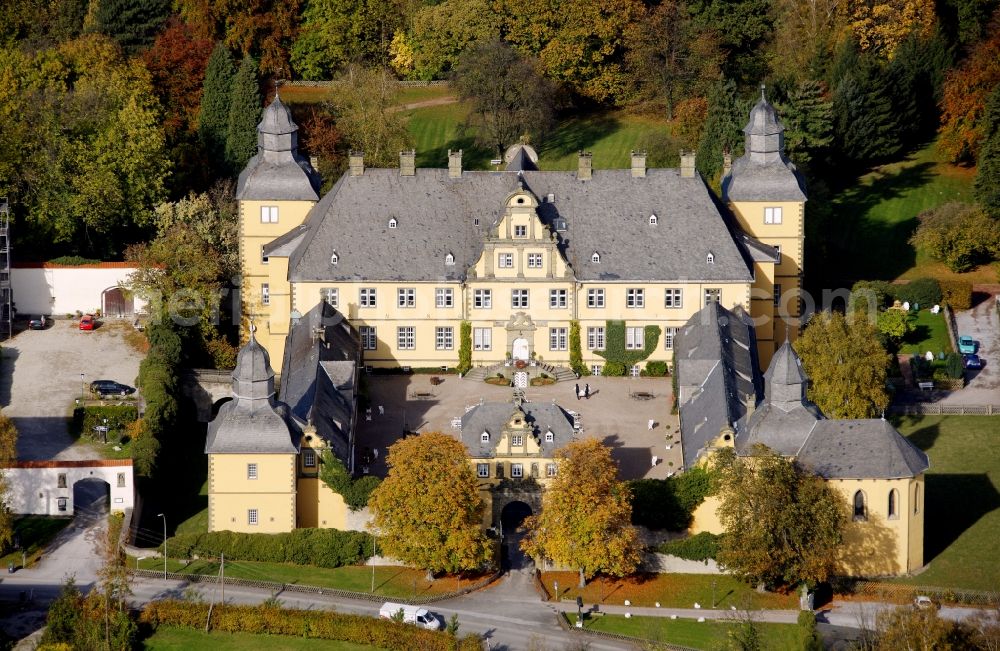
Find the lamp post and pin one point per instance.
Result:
(161, 515)
(105, 431)
(373, 564)
(713, 594)
(83, 386)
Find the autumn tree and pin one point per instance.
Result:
(963, 101)
(586, 515)
(428, 512)
(805, 32)
(262, 29)
(895, 325)
(213, 217)
(510, 98)
(337, 32)
(783, 525)
(962, 236)
(723, 130)
(176, 64)
(8, 454)
(133, 24)
(320, 138)
(846, 365)
(364, 108)
(881, 25)
(918, 628)
(988, 169)
(38, 24)
(442, 32)
(213, 121)
(244, 115)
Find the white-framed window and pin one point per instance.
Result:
(484, 437)
(309, 458)
(653, 220)
(505, 260)
(635, 338)
(444, 297)
(712, 295)
(635, 371)
(595, 297)
(444, 338)
(673, 297)
(406, 297)
(595, 338)
(668, 338)
(517, 440)
(252, 517)
(268, 214)
(776, 295)
(449, 259)
(635, 297)
(482, 299)
(710, 258)
(265, 294)
(520, 230)
(534, 260)
(61, 503)
(251, 471)
(595, 370)
(519, 298)
(393, 223)
(263, 256)
(517, 470)
(777, 247)
(482, 338)
(549, 436)
(405, 338)
(334, 258)
(551, 470)
(368, 339)
(367, 297)
(331, 295)
(482, 470)
(596, 258)
(557, 298)
(557, 338)
(772, 215)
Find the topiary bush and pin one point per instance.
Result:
(699, 547)
(924, 292)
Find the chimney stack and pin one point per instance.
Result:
(586, 166)
(687, 164)
(638, 164)
(455, 164)
(357, 163)
(408, 163)
(727, 163)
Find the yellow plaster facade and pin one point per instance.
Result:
(251, 493)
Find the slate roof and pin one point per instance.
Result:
(493, 416)
(520, 158)
(436, 215)
(277, 172)
(775, 181)
(861, 449)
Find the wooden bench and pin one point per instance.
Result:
(926, 386)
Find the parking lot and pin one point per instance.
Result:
(44, 371)
(982, 324)
(411, 402)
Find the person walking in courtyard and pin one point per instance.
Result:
(576, 391)
(586, 391)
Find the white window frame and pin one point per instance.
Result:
(710, 258)
(253, 518)
(482, 299)
(595, 297)
(517, 470)
(444, 297)
(393, 223)
(557, 339)
(772, 215)
(635, 297)
(653, 220)
(635, 337)
(517, 440)
(669, 334)
(367, 297)
(673, 297)
(268, 214)
(309, 458)
(505, 260)
(596, 258)
(406, 297)
(595, 338)
(482, 339)
(444, 338)
(449, 259)
(483, 470)
(406, 338)
(713, 291)
(519, 299)
(252, 471)
(635, 371)
(520, 231)
(369, 338)
(331, 295)
(265, 293)
(535, 260)
(595, 370)
(551, 469)
(558, 299)
(484, 437)
(549, 436)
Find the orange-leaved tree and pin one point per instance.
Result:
(428, 511)
(586, 515)
(964, 95)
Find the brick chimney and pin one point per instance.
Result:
(356, 163)
(687, 164)
(585, 166)
(638, 164)
(455, 164)
(408, 163)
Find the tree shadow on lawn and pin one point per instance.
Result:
(578, 134)
(954, 503)
(474, 156)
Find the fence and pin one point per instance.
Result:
(949, 321)
(937, 409)
(895, 592)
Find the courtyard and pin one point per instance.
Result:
(612, 414)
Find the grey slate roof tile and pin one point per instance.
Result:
(861, 449)
(493, 416)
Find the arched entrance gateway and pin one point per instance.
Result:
(511, 518)
(519, 349)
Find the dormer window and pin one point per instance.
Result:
(485, 437)
(596, 258)
(393, 223)
(652, 220)
(334, 258)
(710, 258)
(549, 436)
(449, 259)
(560, 225)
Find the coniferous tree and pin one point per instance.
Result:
(864, 117)
(244, 114)
(988, 174)
(213, 121)
(808, 120)
(723, 129)
(133, 24)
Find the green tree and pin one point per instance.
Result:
(63, 615)
(337, 32)
(133, 24)
(364, 104)
(356, 492)
(428, 512)
(723, 129)
(8, 454)
(213, 121)
(585, 520)
(744, 27)
(808, 120)
(810, 638)
(510, 98)
(213, 217)
(863, 114)
(442, 32)
(923, 629)
(988, 169)
(244, 114)
(846, 365)
(895, 325)
(782, 525)
(962, 236)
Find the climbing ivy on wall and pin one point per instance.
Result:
(465, 348)
(575, 352)
(614, 344)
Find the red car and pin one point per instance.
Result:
(87, 322)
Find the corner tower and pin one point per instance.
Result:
(275, 191)
(767, 196)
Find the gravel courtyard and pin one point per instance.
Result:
(40, 379)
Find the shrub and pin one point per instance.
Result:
(354, 491)
(464, 347)
(73, 260)
(883, 292)
(575, 352)
(613, 369)
(699, 547)
(953, 366)
(668, 503)
(962, 236)
(118, 417)
(656, 369)
(922, 291)
(320, 547)
(956, 293)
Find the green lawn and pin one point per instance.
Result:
(930, 333)
(692, 633)
(168, 638)
(35, 532)
(291, 94)
(871, 222)
(962, 523)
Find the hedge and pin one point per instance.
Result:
(85, 419)
(924, 292)
(268, 619)
(319, 547)
(956, 293)
(699, 547)
(669, 503)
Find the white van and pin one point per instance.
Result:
(411, 615)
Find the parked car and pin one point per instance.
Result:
(923, 602)
(40, 323)
(972, 361)
(967, 345)
(87, 322)
(411, 615)
(111, 388)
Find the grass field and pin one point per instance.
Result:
(316, 94)
(691, 633)
(962, 523)
(396, 582)
(930, 333)
(168, 638)
(34, 533)
(671, 590)
(872, 221)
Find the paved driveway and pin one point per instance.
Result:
(982, 324)
(40, 379)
